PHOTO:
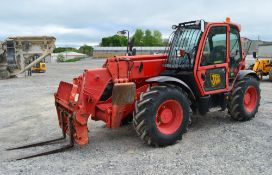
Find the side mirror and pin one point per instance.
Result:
(254, 55)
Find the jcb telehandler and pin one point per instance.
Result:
(203, 67)
(262, 66)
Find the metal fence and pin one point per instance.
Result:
(104, 52)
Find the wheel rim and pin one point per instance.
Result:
(250, 99)
(169, 117)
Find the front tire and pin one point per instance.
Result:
(245, 99)
(161, 115)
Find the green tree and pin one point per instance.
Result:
(148, 38)
(65, 49)
(158, 41)
(114, 40)
(141, 38)
(105, 41)
(138, 37)
(60, 58)
(85, 49)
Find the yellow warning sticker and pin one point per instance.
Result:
(215, 79)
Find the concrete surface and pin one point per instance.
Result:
(214, 144)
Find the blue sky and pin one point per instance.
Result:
(77, 22)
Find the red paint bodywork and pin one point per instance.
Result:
(198, 69)
(81, 99)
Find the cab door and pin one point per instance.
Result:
(212, 70)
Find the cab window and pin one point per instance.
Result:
(235, 52)
(215, 47)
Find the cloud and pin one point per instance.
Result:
(87, 21)
(66, 36)
(46, 30)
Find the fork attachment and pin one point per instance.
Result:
(61, 149)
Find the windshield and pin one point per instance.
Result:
(185, 39)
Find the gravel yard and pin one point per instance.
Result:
(214, 144)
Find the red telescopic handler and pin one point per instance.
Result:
(203, 67)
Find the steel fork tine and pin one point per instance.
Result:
(36, 144)
(71, 144)
(61, 149)
(47, 153)
(43, 142)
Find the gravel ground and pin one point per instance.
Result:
(214, 144)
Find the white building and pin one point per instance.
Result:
(265, 50)
(66, 55)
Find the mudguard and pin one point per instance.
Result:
(182, 84)
(243, 73)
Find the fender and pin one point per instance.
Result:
(162, 79)
(243, 73)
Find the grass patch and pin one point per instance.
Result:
(74, 59)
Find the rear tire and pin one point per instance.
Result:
(245, 99)
(161, 116)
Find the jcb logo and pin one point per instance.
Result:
(215, 79)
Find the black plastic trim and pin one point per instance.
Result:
(243, 73)
(162, 79)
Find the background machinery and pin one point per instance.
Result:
(203, 67)
(39, 67)
(19, 54)
(262, 67)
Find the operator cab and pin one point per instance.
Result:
(200, 46)
(206, 56)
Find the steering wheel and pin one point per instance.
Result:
(218, 53)
(211, 58)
